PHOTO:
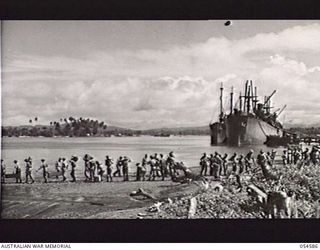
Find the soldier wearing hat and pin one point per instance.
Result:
(153, 168)
(58, 166)
(171, 163)
(241, 164)
(306, 157)
(118, 167)
(108, 163)
(73, 165)
(204, 163)
(3, 171)
(125, 168)
(100, 169)
(284, 158)
(29, 170)
(92, 169)
(249, 161)
(262, 159)
(163, 167)
(87, 158)
(224, 164)
(233, 160)
(17, 171)
(44, 167)
(216, 166)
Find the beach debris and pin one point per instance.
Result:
(170, 201)
(155, 208)
(192, 208)
(217, 187)
(143, 193)
(257, 193)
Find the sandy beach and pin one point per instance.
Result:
(104, 200)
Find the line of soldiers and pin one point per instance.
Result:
(217, 164)
(296, 155)
(160, 167)
(61, 166)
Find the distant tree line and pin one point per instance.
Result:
(71, 127)
(307, 131)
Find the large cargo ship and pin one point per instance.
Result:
(248, 122)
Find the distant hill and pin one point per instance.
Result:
(203, 130)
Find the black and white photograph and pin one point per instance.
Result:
(206, 119)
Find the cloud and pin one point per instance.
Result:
(176, 86)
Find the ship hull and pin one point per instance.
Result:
(239, 130)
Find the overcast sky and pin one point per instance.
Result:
(142, 74)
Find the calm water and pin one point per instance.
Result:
(186, 148)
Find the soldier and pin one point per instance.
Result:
(3, 171)
(100, 170)
(125, 168)
(296, 157)
(17, 171)
(224, 164)
(211, 160)
(249, 161)
(153, 168)
(204, 163)
(108, 163)
(241, 164)
(44, 167)
(171, 163)
(73, 165)
(86, 160)
(64, 168)
(306, 157)
(29, 170)
(233, 160)
(92, 169)
(163, 167)
(284, 158)
(118, 166)
(216, 165)
(58, 165)
(262, 162)
(157, 165)
(268, 157)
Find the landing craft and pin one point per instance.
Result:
(248, 123)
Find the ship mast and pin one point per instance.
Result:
(231, 100)
(221, 103)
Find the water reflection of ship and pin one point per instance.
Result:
(248, 123)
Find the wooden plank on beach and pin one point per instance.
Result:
(258, 192)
